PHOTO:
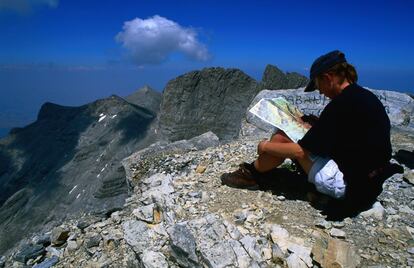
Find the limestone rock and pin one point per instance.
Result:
(145, 213)
(337, 233)
(137, 234)
(334, 253)
(377, 211)
(220, 97)
(201, 169)
(302, 252)
(92, 240)
(293, 261)
(59, 235)
(151, 259)
(29, 252)
(183, 246)
(47, 263)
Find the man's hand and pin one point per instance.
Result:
(310, 119)
(260, 147)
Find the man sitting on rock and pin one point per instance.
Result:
(346, 153)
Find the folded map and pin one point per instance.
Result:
(283, 115)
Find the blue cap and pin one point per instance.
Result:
(323, 64)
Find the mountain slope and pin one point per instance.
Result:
(68, 162)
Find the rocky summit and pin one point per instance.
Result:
(147, 98)
(115, 183)
(179, 215)
(213, 99)
(275, 79)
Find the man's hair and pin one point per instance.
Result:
(345, 71)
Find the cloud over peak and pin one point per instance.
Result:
(153, 40)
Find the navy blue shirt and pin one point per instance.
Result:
(354, 131)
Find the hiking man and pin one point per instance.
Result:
(347, 150)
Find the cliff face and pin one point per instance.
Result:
(213, 99)
(68, 162)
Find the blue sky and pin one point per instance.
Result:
(73, 52)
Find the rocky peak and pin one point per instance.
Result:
(211, 99)
(146, 97)
(273, 78)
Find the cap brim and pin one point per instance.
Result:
(310, 86)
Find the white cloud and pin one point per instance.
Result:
(26, 6)
(153, 40)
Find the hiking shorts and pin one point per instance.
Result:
(327, 177)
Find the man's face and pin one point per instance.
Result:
(324, 84)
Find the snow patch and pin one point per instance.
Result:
(73, 189)
(113, 116)
(101, 118)
(77, 196)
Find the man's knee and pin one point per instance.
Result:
(280, 137)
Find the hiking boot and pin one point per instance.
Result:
(242, 178)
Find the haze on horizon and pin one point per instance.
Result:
(74, 52)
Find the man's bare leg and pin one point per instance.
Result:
(266, 162)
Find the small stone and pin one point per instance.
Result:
(323, 224)
(302, 252)
(42, 239)
(410, 250)
(194, 194)
(267, 253)
(328, 252)
(151, 259)
(72, 246)
(240, 217)
(183, 245)
(337, 233)
(83, 224)
(93, 240)
(59, 235)
(251, 218)
(293, 261)
(281, 198)
(28, 252)
(377, 211)
(338, 224)
(47, 263)
(144, 213)
(201, 169)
